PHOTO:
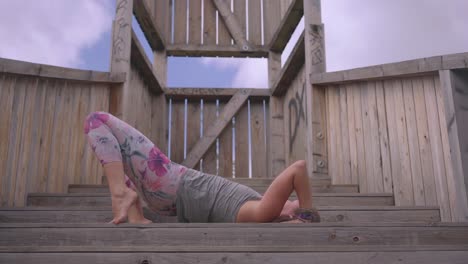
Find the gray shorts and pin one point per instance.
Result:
(203, 198)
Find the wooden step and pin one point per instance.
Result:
(232, 237)
(325, 257)
(328, 214)
(101, 188)
(102, 199)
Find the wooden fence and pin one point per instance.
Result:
(42, 144)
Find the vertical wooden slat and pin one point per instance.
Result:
(177, 131)
(193, 123)
(255, 22)
(180, 21)
(15, 142)
(195, 18)
(209, 116)
(163, 15)
(352, 134)
(224, 38)
(225, 148)
(376, 155)
(90, 158)
(240, 13)
(430, 194)
(345, 146)
(209, 23)
(360, 146)
(383, 137)
(242, 143)
(435, 140)
(368, 140)
(413, 143)
(259, 154)
(7, 89)
(86, 151)
(80, 141)
(402, 140)
(26, 142)
(336, 166)
(271, 18)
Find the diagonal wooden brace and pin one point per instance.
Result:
(232, 24)
(229, 111)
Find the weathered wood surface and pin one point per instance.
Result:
(42, 115)
(47, 71)
(230, 238)
(424, 66)
(213, 93)
(211, 50)
(288, 25)
(150, 29)
(319, 199)
(341, 214)
(373, 257)
(233, 24)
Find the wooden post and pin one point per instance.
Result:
(454, 89)
(120, 55)
(316, 150)
(275, 146)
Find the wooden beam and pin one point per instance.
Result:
(231, 108)
(47, 71)
(142, 63)
(424, 66)
(181, 50)
(213, 93)
(232, 24)
(290, 69)
(150, 29)
(454, 93)
(288, 25)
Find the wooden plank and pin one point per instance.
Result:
(142, 63)
(41, 70)
(272, 19)
(430, 193)
(143, 14)
(224, 37)
(285, 4)
(290, 69)
(212, 50)
(258, 142)
(242, 144)
(255, 22)
(14, 147)
(360, 145)
(437, 149)
(344, 130)
(369, 178)
(209, 23)
(210, 158)
(240, 12)
(319, 133)
(180, 21)
(214, 93)
(177, 131)
(336, 166)
(8, 83)
(413, 143)
(383, 137)
(193, 123)
(228, 112)
(285, 29)
(234, 26)
(354, 175)
(195, 19)
(451, 147)
(26, 142)
(428, 257)
(406, 182)
(163, 17)
(225, 158)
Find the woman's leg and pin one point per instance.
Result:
(293, 178)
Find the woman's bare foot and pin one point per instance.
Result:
(121, 202)
(135, 214)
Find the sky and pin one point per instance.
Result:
(358, 33)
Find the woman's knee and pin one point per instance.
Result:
(95, 120)
(299, 165)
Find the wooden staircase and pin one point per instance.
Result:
(356, 228)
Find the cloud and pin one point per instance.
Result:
(52, 31)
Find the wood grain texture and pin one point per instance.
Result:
(255, 22)
(224, 36)
(258, 144)
(232, 23)
(283, 32)
(360, 145)
(272, 19)
(354, 172)
(343, 125)
(242, 143)
(210, 158)
(195, 19)
(384, 138)
(225, 158)
(180, 21)
(6, 103)
(144, 15)
(209, 23)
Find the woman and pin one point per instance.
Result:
(132, 164)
